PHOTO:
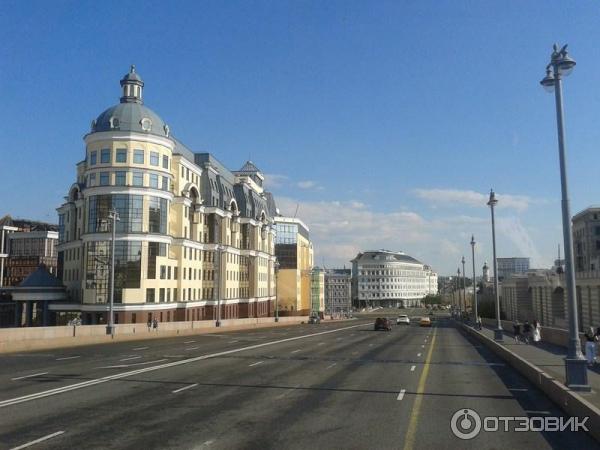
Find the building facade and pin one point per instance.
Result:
(511, 266)
(391, 279)
(338, 300)
(317, 291)
(191, 234)
(24, 246)
(294, 252)
(586, 240)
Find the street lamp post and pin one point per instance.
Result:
(498, 332)
(561, 64)
(464, 284)
(474, 283)
(460, 311)
(276, 265)
(113, 215)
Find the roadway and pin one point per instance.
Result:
(332, 385)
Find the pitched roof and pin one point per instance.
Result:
(41, 278)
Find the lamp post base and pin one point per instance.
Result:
(576, 374)
(276, 319)
(499, 335)
(110, 330)
(218, 323)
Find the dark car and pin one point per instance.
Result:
(314, 319)
(381, 323)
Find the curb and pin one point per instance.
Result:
(568, 400)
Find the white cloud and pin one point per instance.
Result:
(273, 180)
(452, 197)
(341, 229)
(307, 184)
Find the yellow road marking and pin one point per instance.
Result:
(411, 433)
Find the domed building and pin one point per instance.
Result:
(390, 279)
(191, 234)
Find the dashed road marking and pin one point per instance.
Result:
(37, 441)
(192, 348)
(401, 394)
(29, 376)
(418, 355)
(330, 366)
(67, 357)
(189, 342)
(256, 363)
(130, 358)
(184, 388)
(140, 348)
(412, 369)
(296, 351)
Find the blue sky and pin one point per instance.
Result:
(386, 122)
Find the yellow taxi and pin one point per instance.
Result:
(425, 322)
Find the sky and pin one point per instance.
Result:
(383, 124)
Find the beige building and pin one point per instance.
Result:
(294, 252)
(192, 234)
(586, 240)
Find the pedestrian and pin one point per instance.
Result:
(517, 331)
(155, 324)
(590, 346)
(478, 322)
(149, 323)
(527, 331)
(537, 331)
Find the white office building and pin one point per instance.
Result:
(390, 279)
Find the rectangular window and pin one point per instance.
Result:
(92, 179)
(162, 295)
(168, 272)
(121, 155)
(165, 162)
(93, 158)
(154, 158)
(105, 156)
(120, 178)
(104, 178)
(138, 178)
(150, 295)
(138, 156)
(153, 181)
(163, 272)
(165, 183)
(175, 272)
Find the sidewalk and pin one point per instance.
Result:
(550, 359)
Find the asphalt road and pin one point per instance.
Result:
(324, 386)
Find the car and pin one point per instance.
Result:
(403, 319)
(381, 323)
(425, 322)
(314, 319)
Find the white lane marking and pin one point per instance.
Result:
(337, 339)
(401, 394)
(330, 366)
(321, 343)
(256, 363)
(29, 376)
(518, 389)
(140, 348)
(173, 356)
(118, 376)
(184, 388)
(296, 351)
(206, 444)
(418, 355)
(67, 357)
(130, 358)
(412, 369)
(422, 346)
(233, 342)
(123, 366)
(192, 348)
(536, 412)
(189, 342)
(37, 441)
(288, 390)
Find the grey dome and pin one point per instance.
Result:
(131, 114)
(129, 118)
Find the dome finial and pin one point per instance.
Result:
(132, 86)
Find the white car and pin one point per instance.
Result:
(403, 319)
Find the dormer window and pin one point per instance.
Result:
(146, 124)
(114, 122)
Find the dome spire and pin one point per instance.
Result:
(132, 86)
